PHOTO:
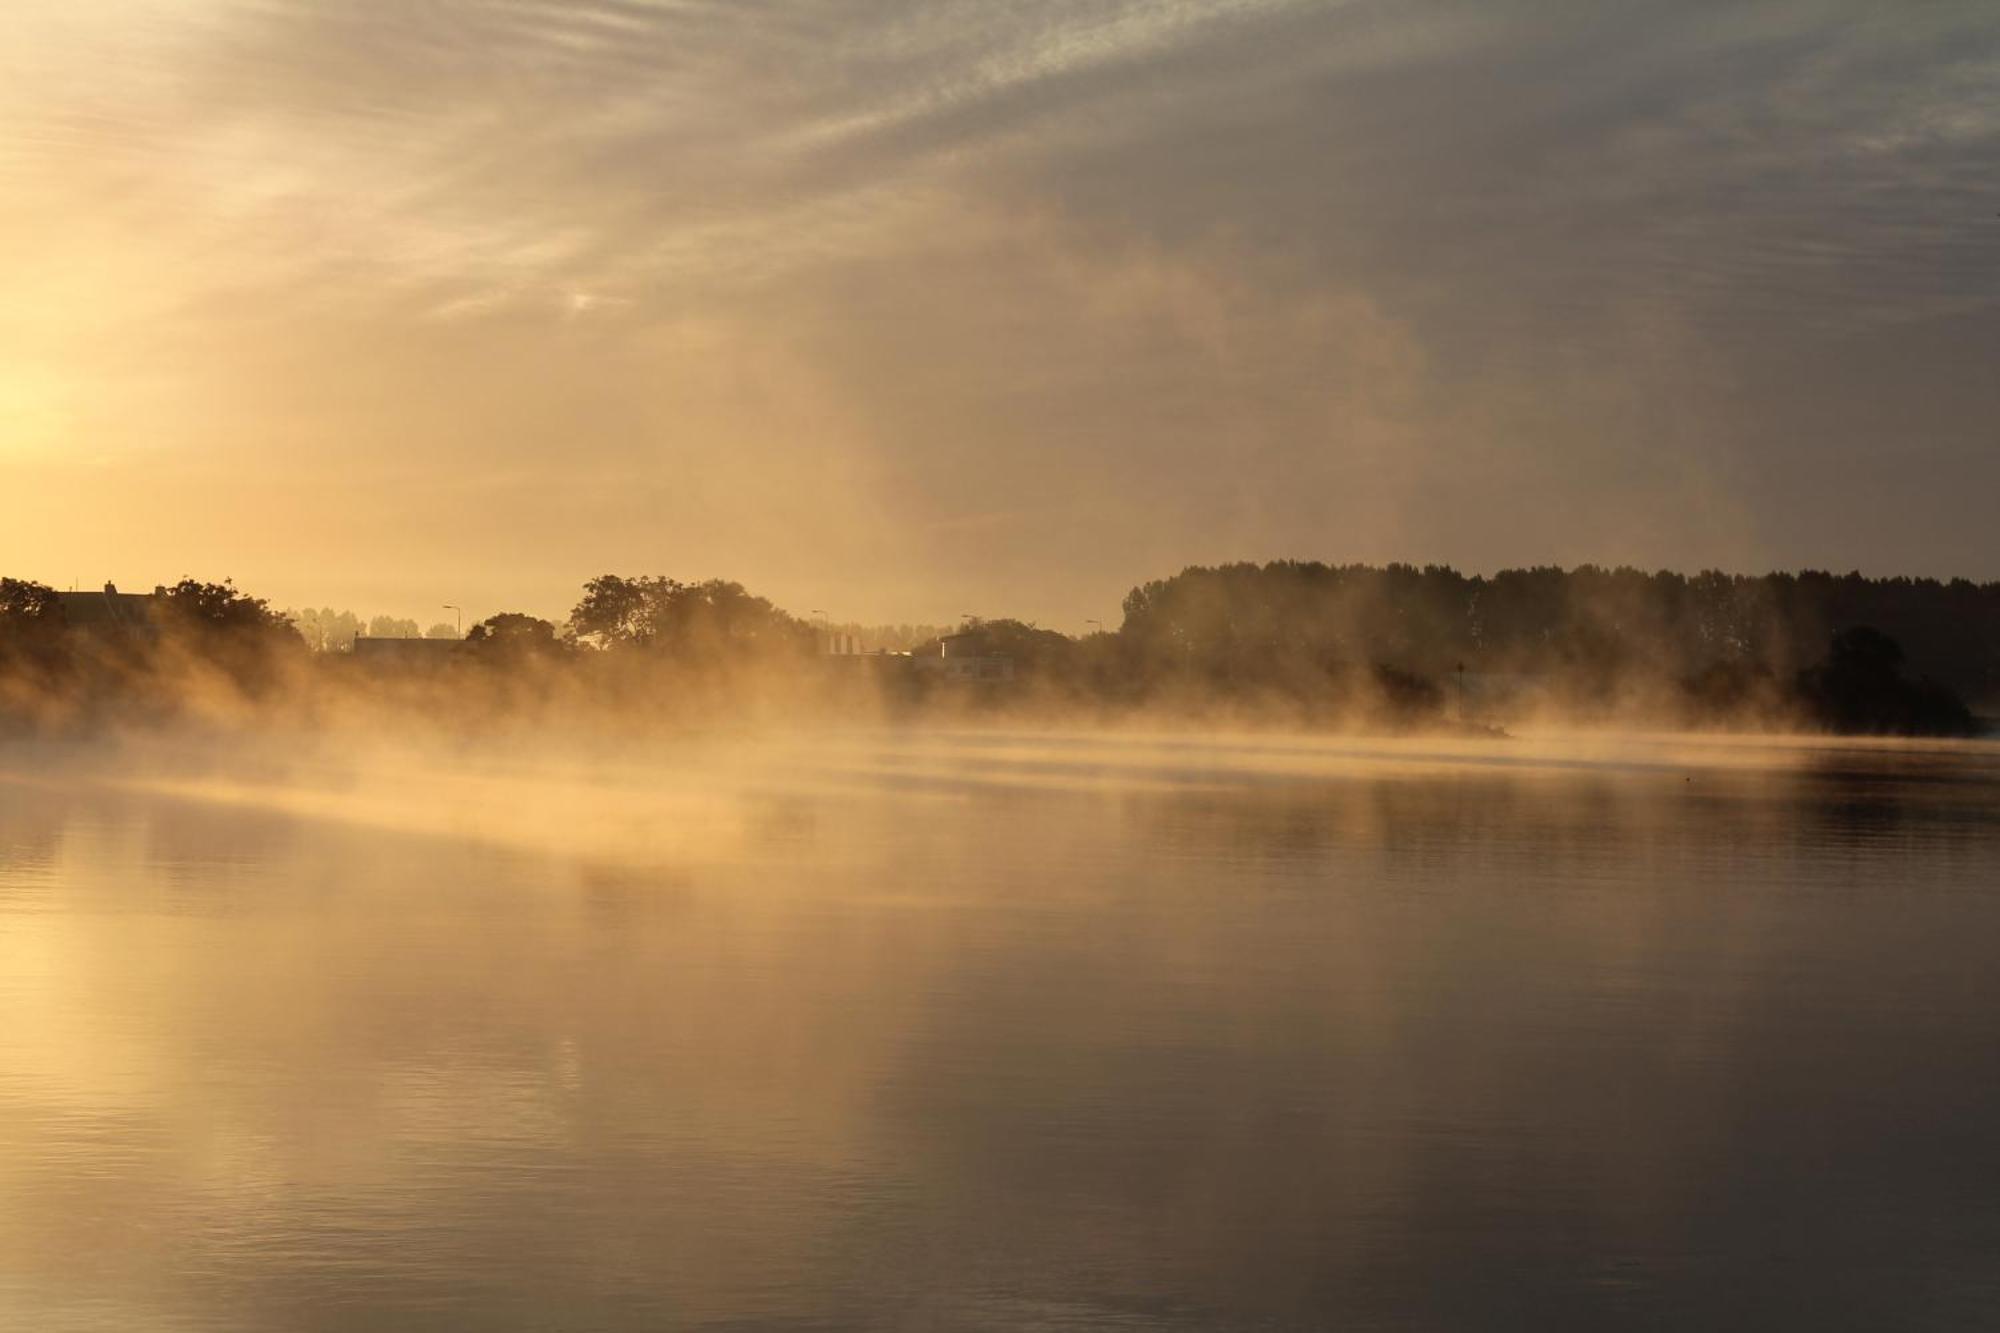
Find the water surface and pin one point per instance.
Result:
(1005, 1031)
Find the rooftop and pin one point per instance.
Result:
(109, 608)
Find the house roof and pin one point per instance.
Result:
(108, 608)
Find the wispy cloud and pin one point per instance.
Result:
(1480, 281)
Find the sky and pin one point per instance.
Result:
(906, 311)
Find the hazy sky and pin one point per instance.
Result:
(907, 310)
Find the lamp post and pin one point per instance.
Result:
(460, 617)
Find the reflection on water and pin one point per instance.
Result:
(988, 1031)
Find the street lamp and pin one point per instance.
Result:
(461, 617)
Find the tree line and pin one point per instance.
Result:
(1395, 646)
(1709, 644)
(329, 631)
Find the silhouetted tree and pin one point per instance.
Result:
(1034, 651)
(24, 602)
(231, 631)
(219, 606)
(708, 622)
(618, 611)
(32, 647)
(1860, 687)
(513, 638)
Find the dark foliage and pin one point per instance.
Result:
(512, 636)
(1860, 687)
(1034, 651)
(697, 623)
(1595, 632)
(211, 607)
(1307, 642)
(34, 652)
(24, 603)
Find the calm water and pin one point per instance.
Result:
(1005, 1032)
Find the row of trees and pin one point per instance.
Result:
(1595, 630)
(714, 625)
(194, 639)
(327, 630)
(1393, 645)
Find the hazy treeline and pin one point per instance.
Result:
(839, 635)
(1358, 646)
(327, 630)
(1594, 640)
(205, 645)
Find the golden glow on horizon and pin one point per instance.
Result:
(899, 311)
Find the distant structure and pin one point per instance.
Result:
(404, 654)
(112, 611)
(967, 655)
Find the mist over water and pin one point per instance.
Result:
(999, 1029)
(1073, 664)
